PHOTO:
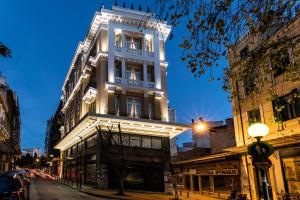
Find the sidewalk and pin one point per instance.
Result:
(112, 194)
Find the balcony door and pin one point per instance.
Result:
(133, 73)
(134, 107)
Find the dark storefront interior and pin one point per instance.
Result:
(140, 177)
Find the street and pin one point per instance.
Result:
(44, 189)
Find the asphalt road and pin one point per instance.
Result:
(44, 189)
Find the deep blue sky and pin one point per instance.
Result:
(43, 35)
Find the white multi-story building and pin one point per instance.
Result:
(118, 76)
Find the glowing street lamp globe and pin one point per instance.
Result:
(258, 130)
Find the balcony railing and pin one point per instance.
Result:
(4, 128)
(134, 52)
(133, 115)
(134, 83)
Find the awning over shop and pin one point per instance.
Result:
(285, 140)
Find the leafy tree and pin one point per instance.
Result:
(4, 51)
(212, 27)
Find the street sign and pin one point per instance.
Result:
(260, 150)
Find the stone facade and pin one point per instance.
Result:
(118, 77)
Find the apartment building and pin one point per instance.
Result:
(259, 106)
(118, 77)
(10, 126)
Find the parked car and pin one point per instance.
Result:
(25, 177)
(11, 188)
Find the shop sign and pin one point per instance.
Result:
(217, 172)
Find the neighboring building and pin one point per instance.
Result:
(118, 76)
(203, 140)
(10, 126)
(53, 136)
(213, 169)
(172, 115)
(186, 146)
(32, 151)
(248, 107)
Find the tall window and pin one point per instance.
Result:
(244, 53)
(134, 107)
(254, 116)
(118, 40)
(133, 43)
(150, 73)
(117, 104)
(118, 70)
(286, 107)
(148, 43)
(133, 73)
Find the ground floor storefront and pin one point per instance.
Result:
(209, 175)
(147, 170)
(283, 176)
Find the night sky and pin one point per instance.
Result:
(43, 36)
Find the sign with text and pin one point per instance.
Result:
(217, 172)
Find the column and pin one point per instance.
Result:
(192, 182)
(123, 70)
(145, 106)
(157, 71)
(200, 184)
(145, 72)
(211, 184)
(123, 104)
(111, 56)
(123, 39)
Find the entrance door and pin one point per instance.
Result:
(196, 183)
(187, 182)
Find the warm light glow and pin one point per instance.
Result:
(258, 130)
(118, 31)
(199, 127)
(148, 37)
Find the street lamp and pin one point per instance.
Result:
(199, 126)
(260, 151)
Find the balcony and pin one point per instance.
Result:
(134, 53)
(90, 93)
(134, 83)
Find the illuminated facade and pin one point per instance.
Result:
(10, 124)
(284, 174)
(118, 76)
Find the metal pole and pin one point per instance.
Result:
(264, 184)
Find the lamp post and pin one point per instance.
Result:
(260, 151)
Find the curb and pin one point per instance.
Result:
(93, 194)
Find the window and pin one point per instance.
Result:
(118, 40)
(81, 146)
(254, 116)
(279, 62)
(133, 73)
(125, 140)
(91, 141)
(117, 104)
(146, 142)
(133, 43)
(150, 73)
(115, 140)
(156, 143)
(134, 107)
(92, 107)
(118, 70)
(287, 107)
(135, 141)
(249, 82)
(148, 43)
(244, 53)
